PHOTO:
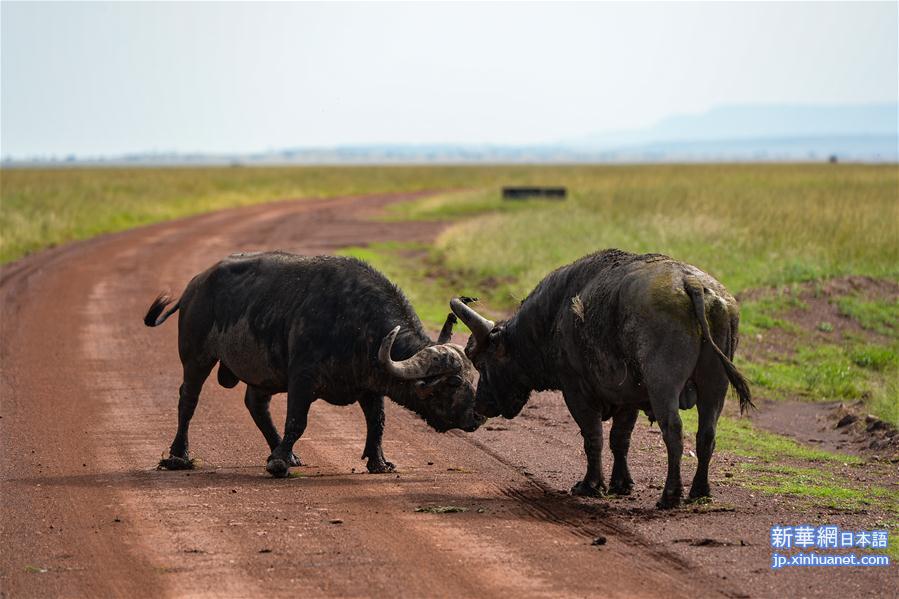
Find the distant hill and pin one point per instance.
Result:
(866, 133)
(759, 132)
(760, 122)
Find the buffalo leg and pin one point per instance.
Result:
(195, 375)
(620, 442)
(711, 391)
(665, 404)
(257, 402)
(590, 422)
(299, 399)
(709, 404)
(373, 408)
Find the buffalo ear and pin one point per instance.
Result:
(497, 340)
(446, 333)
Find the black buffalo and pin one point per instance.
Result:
(315, 327)
(617, 333)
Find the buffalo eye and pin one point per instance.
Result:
(455, 380)
(426, 384)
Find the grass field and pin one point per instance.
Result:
(752, 226)
(41, 208)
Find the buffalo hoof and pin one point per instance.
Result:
(295, 460)
(621, 487)
(277, 467)
(380, 467)
(668, 502)
(174, 462)
(700, 493)
(585, 489)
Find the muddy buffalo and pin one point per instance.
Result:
(315, 327)
(617, 333)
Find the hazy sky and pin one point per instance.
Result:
(101, 79)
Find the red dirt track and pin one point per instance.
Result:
(89, 397)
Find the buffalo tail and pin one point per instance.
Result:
(695, 291)
(155, 316)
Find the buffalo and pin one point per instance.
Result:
(617, 333)
(315, 327)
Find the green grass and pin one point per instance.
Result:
(879, 316)
(767, 312)
(817, 487)
(450, 205)
(875, 357)
(824, 372)
(885, 403)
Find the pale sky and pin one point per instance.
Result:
(104, 79)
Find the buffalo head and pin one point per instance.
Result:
(502, 388)
(443, 382)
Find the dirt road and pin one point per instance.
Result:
(89, 405)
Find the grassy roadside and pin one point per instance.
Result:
(44, 207)
(827, 341)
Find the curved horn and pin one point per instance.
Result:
(430, 361)
(480, 326)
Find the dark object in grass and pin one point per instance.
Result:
(876, 425)
(523, 193)
(600, 540)
(847, 420)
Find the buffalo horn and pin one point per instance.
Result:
(480, 326)
(430, 361)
